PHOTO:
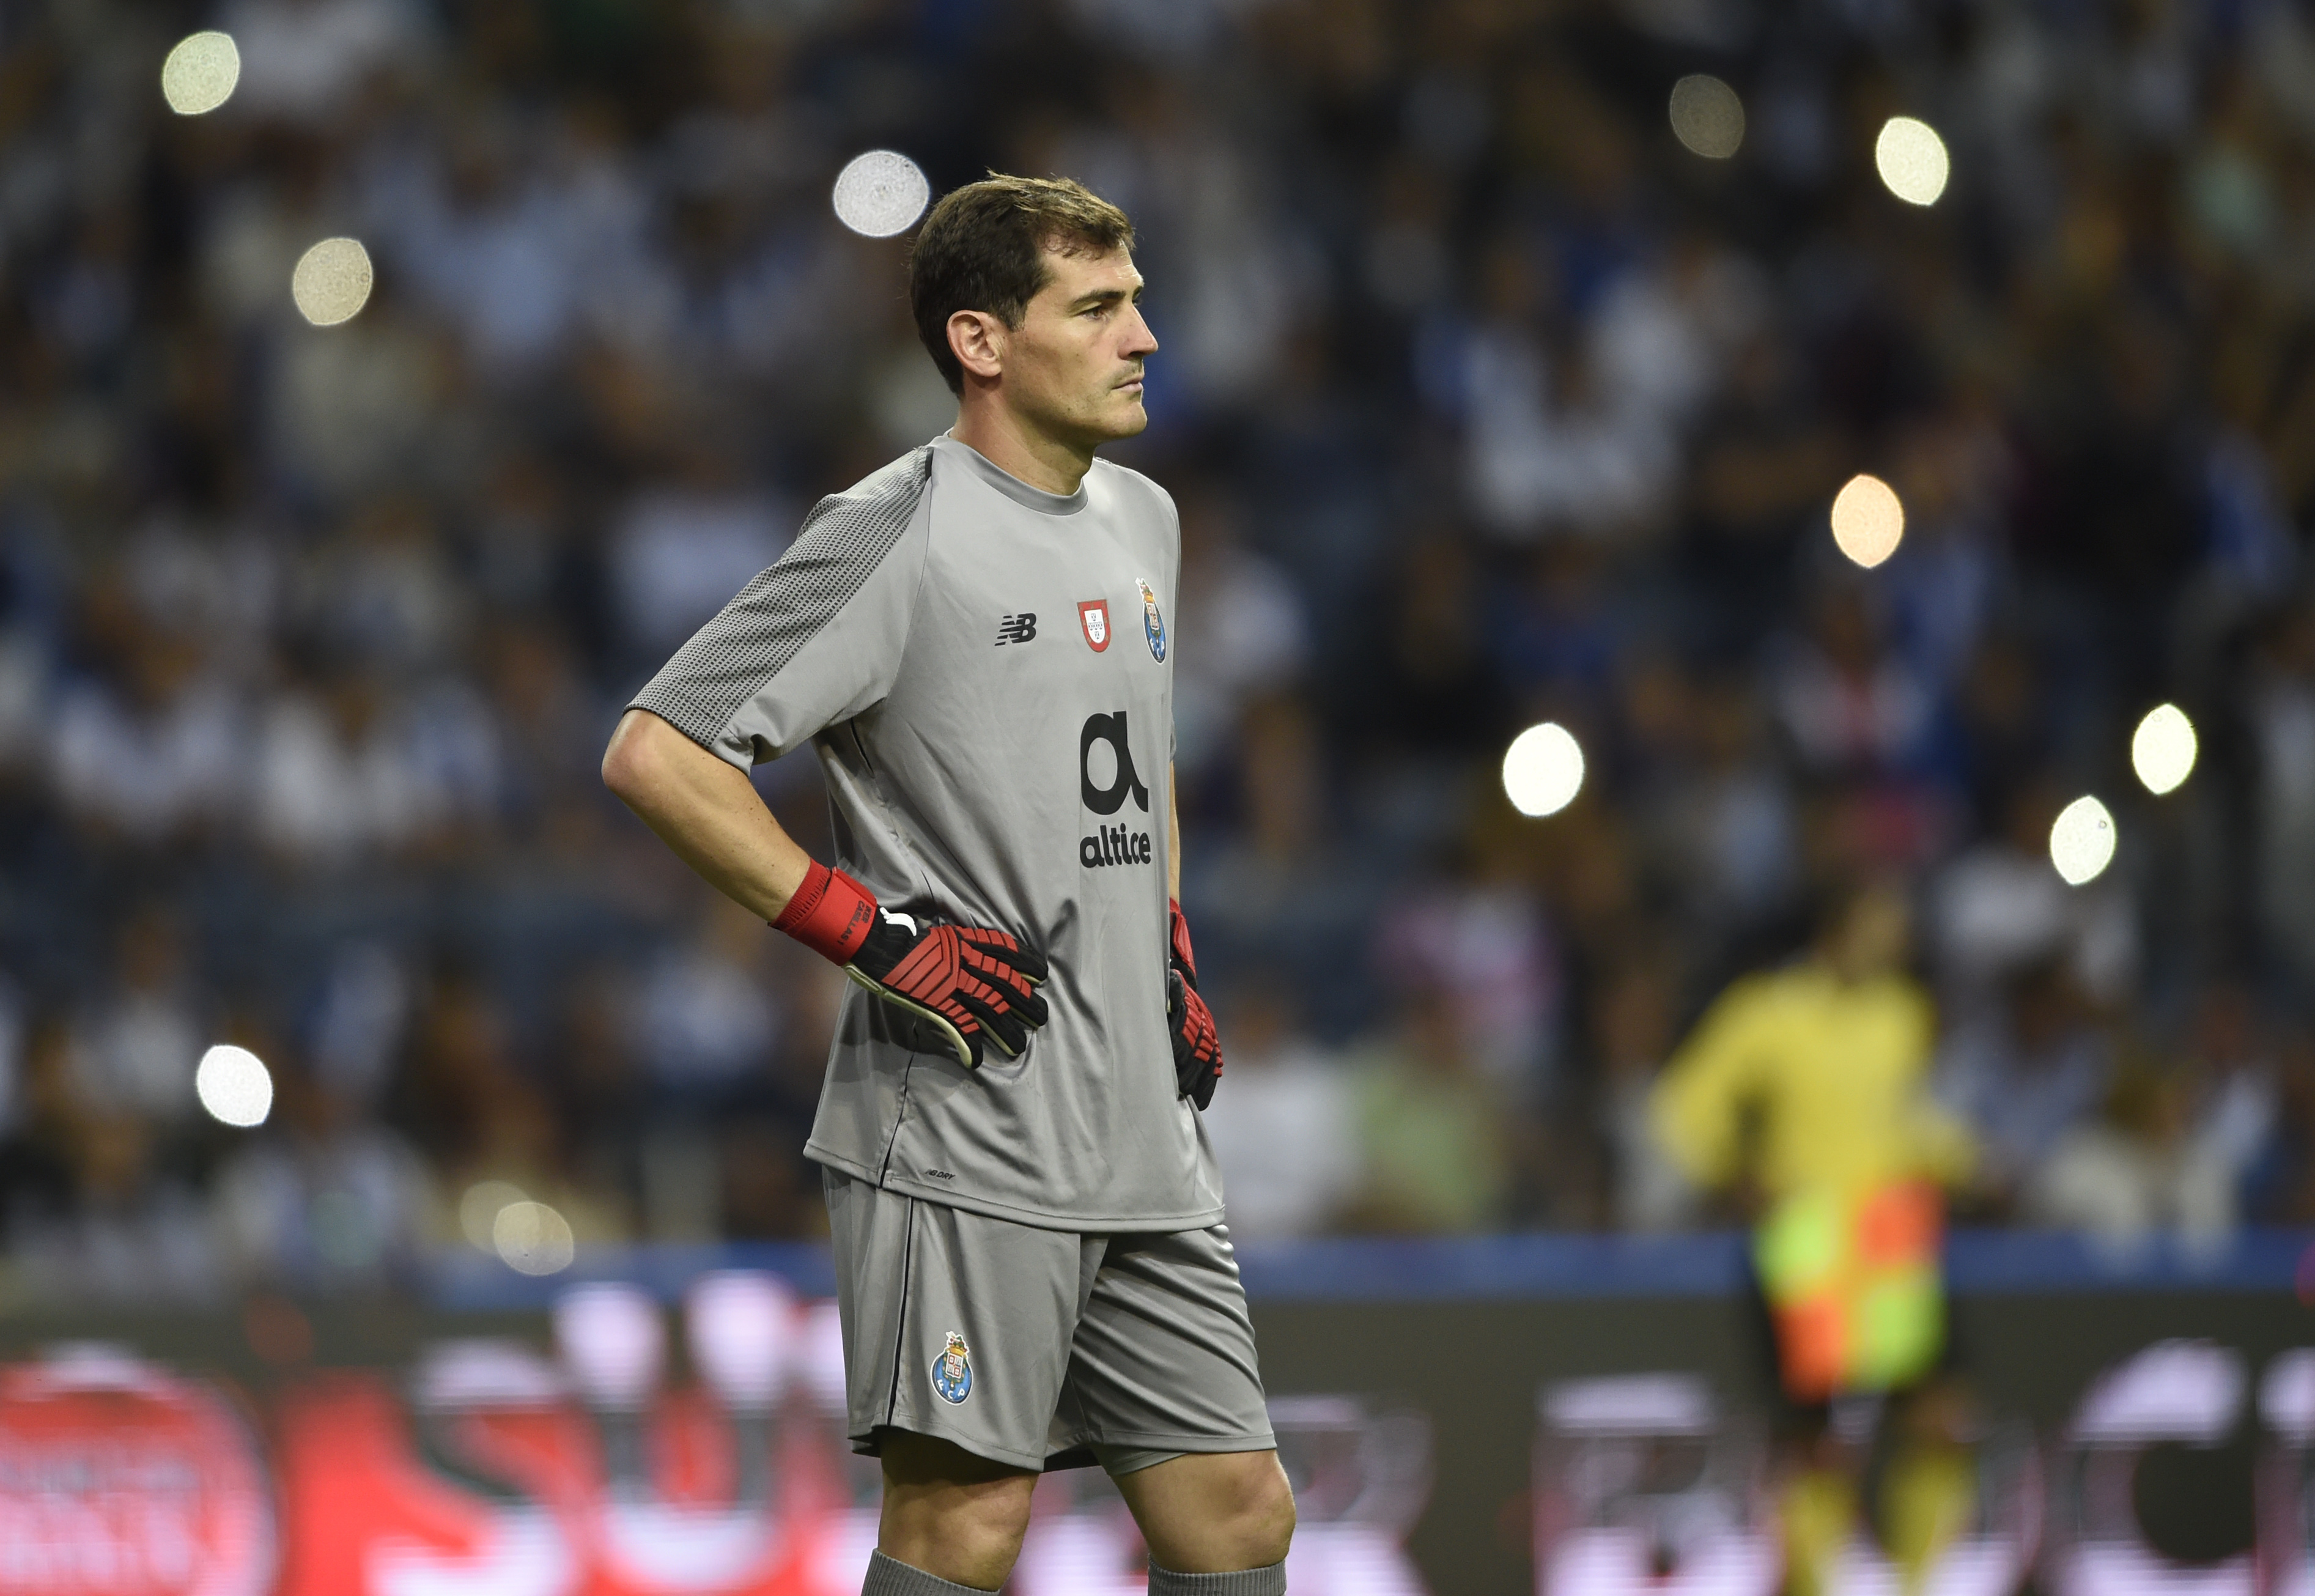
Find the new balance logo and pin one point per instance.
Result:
(1019, 628)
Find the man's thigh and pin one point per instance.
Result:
(955, 1325)
(1163, 1361)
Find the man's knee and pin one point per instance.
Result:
(1210, 1514)
(1265, 1521)
(949, 1513)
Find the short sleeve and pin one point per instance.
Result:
(814, 639)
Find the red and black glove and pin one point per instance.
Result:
(1197, 1047)
(972, 984)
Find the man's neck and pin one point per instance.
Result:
(1001, 436)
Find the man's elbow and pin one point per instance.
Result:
(630, 761)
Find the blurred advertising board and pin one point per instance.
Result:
(1494, 1417)
(492, 1466)
(116, 1475)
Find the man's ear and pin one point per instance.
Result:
(977, 339)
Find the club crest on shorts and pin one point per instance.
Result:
(1093, 614)
(1153, 625)
(953, 1370)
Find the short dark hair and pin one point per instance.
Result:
(983, 248)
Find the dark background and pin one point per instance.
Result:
(1484, 400)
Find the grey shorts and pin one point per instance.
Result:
(1042, 1349)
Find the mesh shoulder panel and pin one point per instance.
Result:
(784, 607)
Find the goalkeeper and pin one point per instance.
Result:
(1031, 1262)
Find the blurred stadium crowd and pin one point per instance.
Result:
(1485, 402)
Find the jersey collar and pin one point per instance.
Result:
(1008, 484)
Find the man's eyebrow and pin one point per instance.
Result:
(1104, 297)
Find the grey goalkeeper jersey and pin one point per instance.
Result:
(987, 671)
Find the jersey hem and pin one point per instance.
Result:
(1037, 1219)
(870, 1443)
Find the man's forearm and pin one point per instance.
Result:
(1172, 839)
(706, 811)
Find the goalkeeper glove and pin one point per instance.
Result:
(1197, 1047)
(972, 984)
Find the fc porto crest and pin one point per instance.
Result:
(1153, 625)
(953, 1370)
(1093, 614)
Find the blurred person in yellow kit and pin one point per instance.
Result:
(1804, 1093)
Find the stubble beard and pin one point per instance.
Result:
(1101, 419)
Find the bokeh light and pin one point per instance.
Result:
(1708, 117)
(1543, 769)
(2163, 750)
(533, 1238)
(1869, 520)
(332, 281)
(234, 1085)
(881, 193)
(614, 1342)
(201, 72)
(479, 1210)
(1912, 160)
(2082, 842)
(743, 1329)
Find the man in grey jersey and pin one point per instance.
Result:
(1026, 1216)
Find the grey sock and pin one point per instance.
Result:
(1246, 1581)
(888, 1577)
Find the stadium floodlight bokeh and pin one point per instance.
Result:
(480, 1207)
(1708, 117)
(2082, 841)
(1912, 160)
(1869, 520)
(234, 1085)
(201, 73)
(2163, 749)
(1543, 770)
(881, 193)
(332, 281)
(533, 1238)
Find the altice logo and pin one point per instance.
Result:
(1105, 793)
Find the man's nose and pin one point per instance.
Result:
(1140, 339)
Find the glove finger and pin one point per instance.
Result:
(964, 1044)
(1177, 933)
(1009, 983)
(1003, 1029)
(1002, 990)
(1202, 1094)
(1032, 1009)
(1200, 1016)
(961, 1033)
(1027, 961)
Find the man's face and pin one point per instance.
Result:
(1073, 366)
(1875, 935)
